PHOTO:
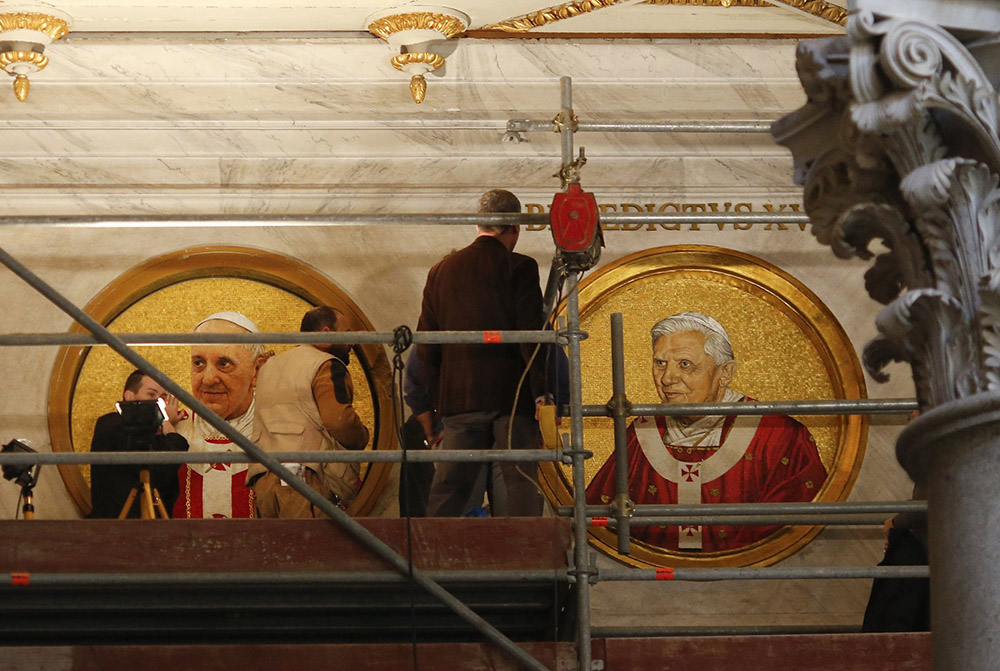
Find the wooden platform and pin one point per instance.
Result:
(294, 620)
(825, 652)
(272, 581)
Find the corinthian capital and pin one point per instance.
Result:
(898, 142)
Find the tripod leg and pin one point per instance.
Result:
(146, 503)
(148, 512)
(158, 505)
(128, 503)
(29, 505)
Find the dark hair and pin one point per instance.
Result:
(498, 201)
(317, 318)
(134, 381)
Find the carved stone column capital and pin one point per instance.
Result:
(899, 142)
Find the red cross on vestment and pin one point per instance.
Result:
(689, 472)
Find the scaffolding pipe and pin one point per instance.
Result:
(744, 520)
(321, 457)
(368, 539)
(524, 576)
(248, 578)
(276, 220)
(530, 125)
(887, 406)
(734, 630)
(768, 573)
(280, 338)
(581, 570)
(618, 406)
(614, 220)
(804, 508)
(609, 220)
(566, 125)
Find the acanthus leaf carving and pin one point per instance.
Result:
(929, 330)
(912, 160)
(903, 265)
(990, 324)
(878, 354)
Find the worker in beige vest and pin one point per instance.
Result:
(303, 404)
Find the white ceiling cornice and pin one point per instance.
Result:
(619, 17)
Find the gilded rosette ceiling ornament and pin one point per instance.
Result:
(899, 143)
(23, 38)
(412, 30)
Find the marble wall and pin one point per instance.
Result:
(303, 125)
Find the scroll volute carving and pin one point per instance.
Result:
(898, 143)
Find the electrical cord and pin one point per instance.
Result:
(549, 321)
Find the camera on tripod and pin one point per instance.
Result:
(142, 416)
(141, 420)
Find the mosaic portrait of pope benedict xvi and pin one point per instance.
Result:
(706, 324)
(713, 458)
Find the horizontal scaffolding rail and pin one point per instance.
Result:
(325, 456)
(151, 579)
(527, 576)
(742, 520)
(888, 406)
(765, 573)
(311, 220)
(724, 630)
(284, 338)
(804, 508)
(553, 126)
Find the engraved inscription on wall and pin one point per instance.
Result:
(683, 208)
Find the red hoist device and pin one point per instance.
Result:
(576, 228)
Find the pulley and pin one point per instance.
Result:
(576, 228)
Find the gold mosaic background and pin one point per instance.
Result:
(177, 309)
(777, 359)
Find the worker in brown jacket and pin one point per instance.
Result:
(485, 286)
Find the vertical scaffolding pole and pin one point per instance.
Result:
(581, 554)
(619, 407)
(566, 127)
(581, 569)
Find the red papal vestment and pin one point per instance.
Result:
(762, 459)
(213, 490)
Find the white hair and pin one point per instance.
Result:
(241, 320)
(717, 343)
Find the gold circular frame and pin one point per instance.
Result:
(277, 276)
(739, 290)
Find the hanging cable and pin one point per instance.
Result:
(402, 339)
